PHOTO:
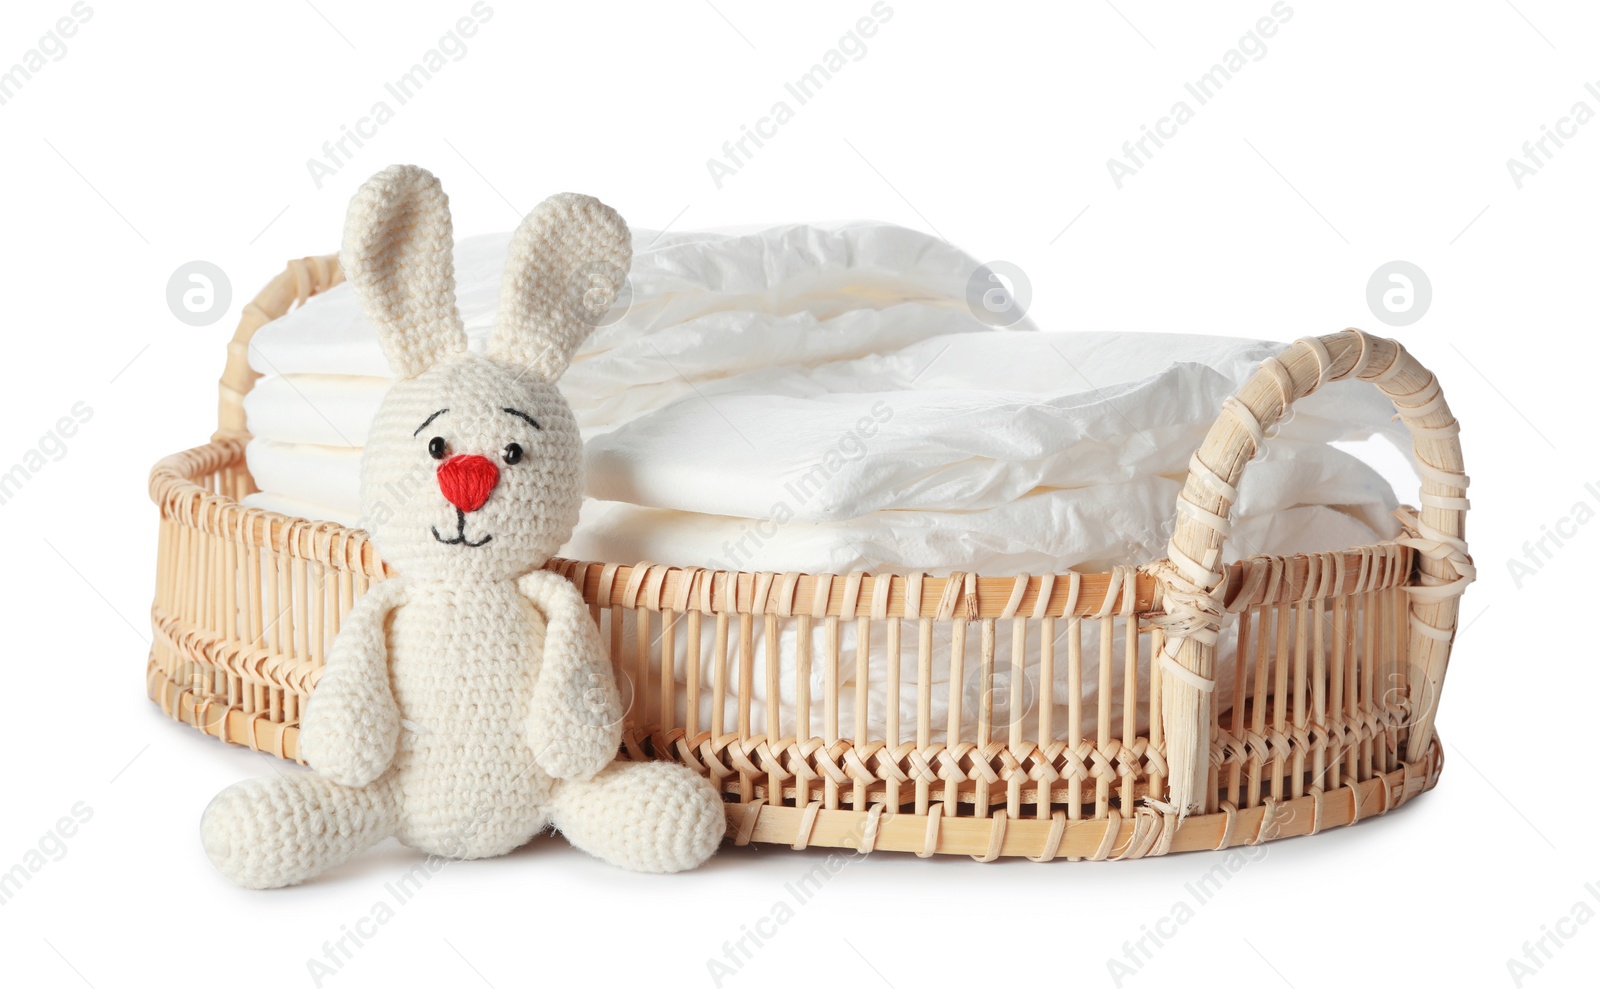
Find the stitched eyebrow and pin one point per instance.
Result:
(522, 415)
(430, 419)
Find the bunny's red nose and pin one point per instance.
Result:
(466, 481)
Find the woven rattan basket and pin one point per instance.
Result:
(1340, 656)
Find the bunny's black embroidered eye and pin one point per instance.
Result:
(511, 454)
(437, 448)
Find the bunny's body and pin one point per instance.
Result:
(463, 775)
(467, 703)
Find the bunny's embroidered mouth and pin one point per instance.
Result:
(461, 533)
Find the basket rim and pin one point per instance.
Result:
(1252, 581)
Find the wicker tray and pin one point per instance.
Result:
(1340, 655)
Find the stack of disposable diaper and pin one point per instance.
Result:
(821, 399)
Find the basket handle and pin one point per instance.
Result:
(299, 281)
(1192, 576)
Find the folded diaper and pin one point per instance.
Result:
(309, 474)
(730, 279)
(956, 424)
(631, 377)
(1313, 501)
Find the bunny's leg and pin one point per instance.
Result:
(282, 830)
(644, 816)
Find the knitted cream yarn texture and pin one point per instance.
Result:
(467, 704)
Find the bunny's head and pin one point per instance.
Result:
(473, 467)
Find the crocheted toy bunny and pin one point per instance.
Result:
(467, 703)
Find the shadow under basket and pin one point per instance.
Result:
(1338, 658)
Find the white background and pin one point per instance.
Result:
(1368, 132)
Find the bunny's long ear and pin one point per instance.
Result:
(397, 254)
(568, 261)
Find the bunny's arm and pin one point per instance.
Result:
(351, 724)
(575, 725)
